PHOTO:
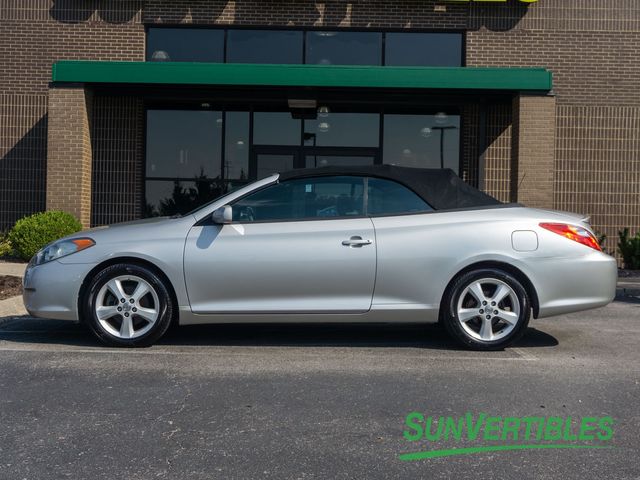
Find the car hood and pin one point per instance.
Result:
(151, 228)
(135, 223)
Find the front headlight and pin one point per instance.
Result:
(61, 249)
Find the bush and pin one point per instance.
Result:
(629, 248)
(5, 246)
(31, 233)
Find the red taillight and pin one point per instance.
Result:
(572, 232)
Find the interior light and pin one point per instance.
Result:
(441, 118)
(160, 56)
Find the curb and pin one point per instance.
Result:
(628, 292)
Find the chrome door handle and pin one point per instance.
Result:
(356, 242)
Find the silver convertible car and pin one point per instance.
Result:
(334, 244)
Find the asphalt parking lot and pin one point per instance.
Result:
(307, 401)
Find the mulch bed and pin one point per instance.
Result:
(10, 286)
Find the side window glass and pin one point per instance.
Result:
(386, 197)
(304, 198)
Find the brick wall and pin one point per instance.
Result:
(69, 152)
(34, 34)
(591, 47)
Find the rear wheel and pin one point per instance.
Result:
(486, 309)
(127, 306)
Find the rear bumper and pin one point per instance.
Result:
(566, 285)
(51, 290)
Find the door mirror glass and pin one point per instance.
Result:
(222, 215)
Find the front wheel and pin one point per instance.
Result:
(127, 306)
(486, 309)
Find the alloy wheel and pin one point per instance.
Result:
(127, 307)
(488, 309)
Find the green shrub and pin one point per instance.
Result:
(602, 238)
(31, 233)
(629, 248)
(5, 246)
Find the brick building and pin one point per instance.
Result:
(118, 109)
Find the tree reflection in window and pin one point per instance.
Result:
(186, 196)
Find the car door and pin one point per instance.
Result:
(303, 245)
(409, 268)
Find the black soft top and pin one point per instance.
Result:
(440, 188)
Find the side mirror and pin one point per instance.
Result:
(222, 215)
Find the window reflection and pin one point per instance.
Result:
(183, 143)
(166, 198)
(264, 46)
(313, 161)
(344, 48)
(423, 49)
(275, 128)
(184, 148)
(343, 130)
(236, 154)
(185, 45)
(322, 47)
(425, 141)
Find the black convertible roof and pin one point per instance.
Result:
(440, 188)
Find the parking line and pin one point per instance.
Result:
(253, 352)
(525, 354)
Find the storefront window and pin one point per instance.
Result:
(425, 141)
(185, 45)
(166, 198)
(314, 161)
(185, 148)
(264, 46)
(344, 48)
(285, 46)
(343, 130)
(423, 49)
(236, 152)
(275, 128)
(183, 164)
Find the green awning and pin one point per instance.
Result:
(334, 76)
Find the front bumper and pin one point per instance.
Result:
(51, 290)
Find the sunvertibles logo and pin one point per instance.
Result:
(484, 433)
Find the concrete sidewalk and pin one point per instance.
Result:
(12, 307)
(13, 269)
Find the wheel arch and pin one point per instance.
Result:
(129, 260)
(516, 272)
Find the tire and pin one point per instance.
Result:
(141, 319)
(471, 294)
